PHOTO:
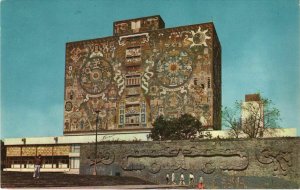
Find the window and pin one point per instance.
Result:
(121, 114)
(133, 55)
(121, 119)
(143, 118)
(143, 113)
(208, 82)
(74, 163)
(136, 25)
(75, 148)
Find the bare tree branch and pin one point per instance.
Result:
(261, 118)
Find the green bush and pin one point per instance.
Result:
(182, 128)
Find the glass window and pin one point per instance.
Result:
(143, 118)
(121, 119)
(75, 148)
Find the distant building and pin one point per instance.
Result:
(253, 112)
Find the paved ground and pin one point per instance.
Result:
(60, 180)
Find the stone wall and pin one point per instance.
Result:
(242, 163)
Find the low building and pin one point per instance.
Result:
(60, 153)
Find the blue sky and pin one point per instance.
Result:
(259, 38)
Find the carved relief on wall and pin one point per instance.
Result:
(279, 160)
(105, 157)
(226, 163)
(206, 160)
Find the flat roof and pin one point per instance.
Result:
(79, 139)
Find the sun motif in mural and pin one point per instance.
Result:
(199, 38)
(174, 71)
(173, 67)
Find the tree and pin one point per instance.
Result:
(231, 120)
(256, 119)
(184, 127)
(262, 118)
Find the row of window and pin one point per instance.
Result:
(133, 81)
(28, 162)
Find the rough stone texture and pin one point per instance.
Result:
(242, 163)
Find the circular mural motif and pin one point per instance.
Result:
(199, 37)
(154, 168)
(95, 75)
(174, 69)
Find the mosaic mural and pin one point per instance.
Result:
(29, 151)
(62, 150)
(132, 79)
(13, 151)
(58, 150)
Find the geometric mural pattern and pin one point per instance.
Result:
(62, 150)
(59, 150)
(13, 151)
(28, 151)
(140, 73)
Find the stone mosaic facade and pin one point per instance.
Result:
(141, 72)
(243, 163)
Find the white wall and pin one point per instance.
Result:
(282, 132)
(78, 139)
(141, 136)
